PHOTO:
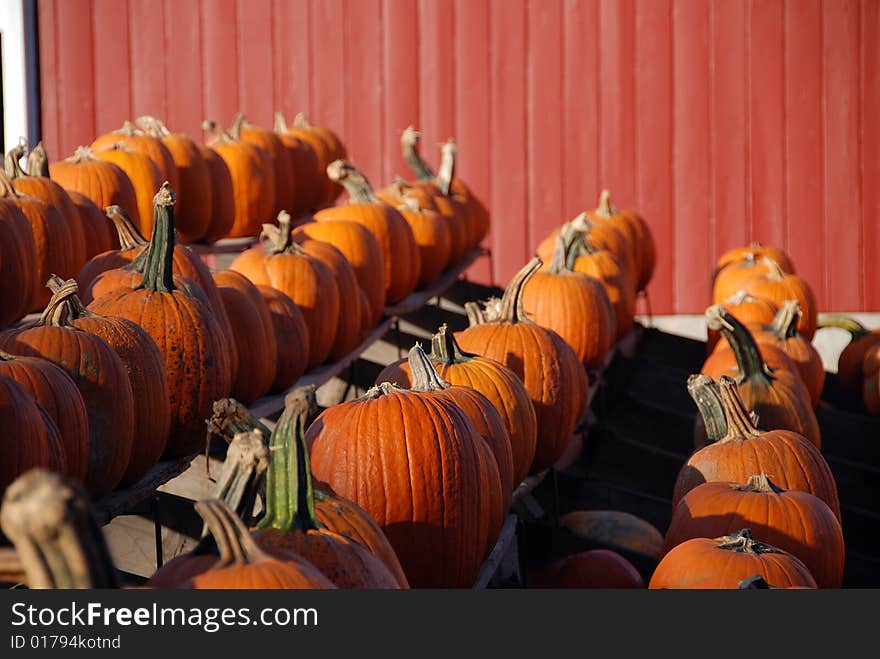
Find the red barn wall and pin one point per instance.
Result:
(722, 121)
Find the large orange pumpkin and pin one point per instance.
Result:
(23, 443)
(285, 185)
(291, 337)
(222, 203)
(135, 139)
(306, 169)
(18, 263)
(100, 236)
(327, 146)
(550, 369)
(754, 252)
(432, 236)
(638, 234)
(145, 177)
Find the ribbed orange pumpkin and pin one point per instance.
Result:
(101, 181)
(754, 252)
(399, 250)
(779, 398)
(551, 371)
(146, 372)
(285, 185)
(285, 265)
(254, 335)
(782, 332)
(596, 568)
(306, 169)
(145, 177)
(18, 263)
(184, 328)
(361, 249)
(779, 286)
(54, 390)
(432, 236)
(574, 306)
(194, 214)
(637, 232)
(794, 521)
(151, 146)
(747, 309)
(24, 442)
(100, 236)
(327, 146)
(102, 380)
(850, 359)
(421, 452)
(253, 181)
(451, 186)
(291, 337)
(729, 280)
(742, 450)
(724, 562)
(222, 199)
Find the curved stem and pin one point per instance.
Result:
(474, 313)
(279, 238)
(559, 261)
(447, 166)
(231, 418)
(511, 303)
(748, 356)
(444, 348)
(68, 290)
(785, 322)
(743, 542)
(851, 325)
(129, 236)
(739, 421)
(12, 163)
(355, 182)
(214, 128)
(238, 121)
(759, 483)
(705, 393)
(59, 543)
(38, 161)
(776, 272)
(423, 374)
(7, 189)
(82, 154)
(606, 208)
(57, 312)
(244, 470)
(290, 499)
(280, 124)
(409, 141)
(234, 543)
(158, 271)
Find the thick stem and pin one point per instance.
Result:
(409, 141)
(82, 154)
(444, 348)
(244, 471)
(234, 542)
(758, 483)
(353, 180)
(50, 522)
(38, 161)
(12, 163)
(235, 128)
(776, 272)
(748, 356)
(559, 261)
(280, 123)
(511, 303)
(851, 325)
(705, 393)
(58, 311)
(605, 208)
(290, 498)
(152, 126)
(301, 122)
(447, 166)
(423, 374)
(129, 236)
(743, 542)
(474, 313)
(279, 237)
(230, 418)
(785, 322)
(739, 422)
(215, 129)
(158, 267)
(128, 129)
(581, 223)
(68, 289)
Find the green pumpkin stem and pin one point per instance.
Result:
(785, 323)
(748, 357)
(243, 475)
(158, 266)
(409, 141)
(511, 303)
(445, 349)
(290, 499)
(423, 374)
(56, 536)
(705, 393)
(851, 325)
(447, 166)
(740, 423)
(743, 542)
(353, 180)
(126, 231)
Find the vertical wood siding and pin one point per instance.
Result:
(722, 121)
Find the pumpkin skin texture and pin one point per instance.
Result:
(253, 181)
(291, 337)
(615, 529)
(306, 170)
(596, 568)
(779, 286)
(151, 146)
(144, 176)
(574, 306)
(399, 250)
(549, 368)
(755, 252)
(729, 280)
(222, 200)
(750, 311)
(99, 233)
(184, 329)
(304, 279)
(431, 515)
(102, 380)
(638, 234)
(129, 245)
(796, 522)
(56, 393)
(146, 373)
(724, 562)
(24, 443)
(361, 249)
(18, 263)
(849, 362)
(433, 238)
(253, 332)
(327, 147)
(282, 167)
(742, 450)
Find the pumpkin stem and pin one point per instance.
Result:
(776, 272)
(743, 543)
(57, 312)
(129, 236)
(244, 470)
(511, 303)
(444, 347)
(68, 289)
(238, 121)
(356, 184)
(740, 297)
(381, 389)
(12, 164)
(851, 325)
(82, 154)
(739, 422)
(748, 356)
(582, 223)
(290, 498)
(38, 161)
(447, 166)
(59, 543)
(705, 393)
(759, 483)
(158, 271)
(128, 129)
(233, 541)
(279, 238)
(152, 126)
(784, 324)
(220, 135)
(423, 374)
(280, 123)
(308, 393)
(231, 418)
(300, 121)
(559, 261)
(606, 208)
(409, 142)
(475, 314)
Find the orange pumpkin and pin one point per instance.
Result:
(778, 286)
(638, 234)
(222, 202)
(306, 170)
(145, 177)
(100, 236)
(282, 166)
(291, 337)
(850, 360)
(747, 309)
(596, 568)
(327, 146)
(135, 139)
(18, 263)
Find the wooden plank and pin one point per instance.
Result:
(149, 91)
(843, 235)
(76, 79)
(183, 37)
(400, 91)
(653, 172)
(255, 61)
(804, 146)
(219, 61)
(544, 137)
(112, 65)
(870, 175)
(693, 262)
(417, 300)
(292, 50)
